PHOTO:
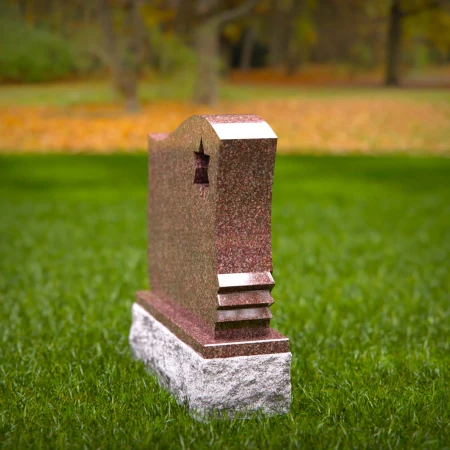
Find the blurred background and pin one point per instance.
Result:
(333, 76)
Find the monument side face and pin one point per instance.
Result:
(243, 209)
(243, 237)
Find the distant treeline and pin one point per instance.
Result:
(44, 40)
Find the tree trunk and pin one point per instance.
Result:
(129, 94)
(132, 104)
(393, 51)
(247, 49)
(140, 38)
(226, 57)
(124, 70)
(292, 43)
(206, 41)
(293, 62)
(207, 51)
(125, 83)
(276, 35)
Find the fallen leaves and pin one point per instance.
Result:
(330, 125)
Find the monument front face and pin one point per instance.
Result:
(181, 219)
(209, 256)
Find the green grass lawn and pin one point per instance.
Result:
(361, 252)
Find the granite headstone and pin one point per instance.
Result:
(204, 327)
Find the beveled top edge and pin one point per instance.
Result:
(238, 299)
(244, 130)
(254, 279)
(240, 126)
(227, 127)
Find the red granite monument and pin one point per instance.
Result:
(209, 238)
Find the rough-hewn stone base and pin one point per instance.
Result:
(211, 386)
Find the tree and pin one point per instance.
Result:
(291, 33)
(210, 18)
(301, 35)
(393, 44)
(277, 17)
(247, 47)
(397, 14)
(124, 61)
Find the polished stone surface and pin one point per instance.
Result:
(203, 339)
(209, 215)
(244, 384)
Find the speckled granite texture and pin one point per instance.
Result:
(193, 331)
(243, 384)
(209, 224)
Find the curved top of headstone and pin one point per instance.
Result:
(226, 126)
(209, 218)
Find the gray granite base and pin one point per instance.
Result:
(211, 387)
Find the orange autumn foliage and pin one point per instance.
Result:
(330, 125)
